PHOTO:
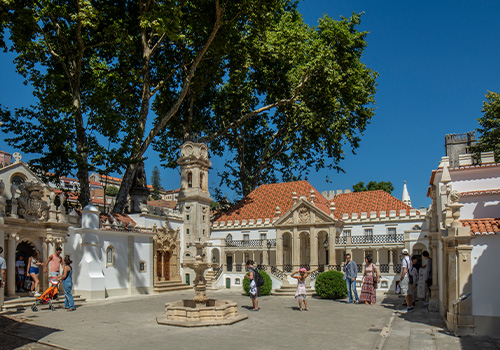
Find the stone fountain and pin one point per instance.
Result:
(200, 311)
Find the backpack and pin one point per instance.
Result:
(259, 280)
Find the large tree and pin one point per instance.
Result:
(489, 139)
(98, 68)
(66, 53)
(156, 183)
(292, 98)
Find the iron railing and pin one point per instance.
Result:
(397, 268)
(335, 267)
(262, 267)
(341, 240)
(384, 268)
(287, 268)
(218, 271)
(376, 239)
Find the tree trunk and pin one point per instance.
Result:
(122, 197)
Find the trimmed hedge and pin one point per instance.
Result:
(265, 289)
(331, 285)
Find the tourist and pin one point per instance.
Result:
(350, 274)
(405, 280)
(427, 265)
(20, 273)
(254, 288)
(300, 293)
(33, 263)
(371, 278)
(55, 261)
(67, 278)
(3, 268)
(414, 278)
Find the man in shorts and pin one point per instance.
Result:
(404, 281)
(55, 261)
(254, 289)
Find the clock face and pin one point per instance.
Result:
(187, 150)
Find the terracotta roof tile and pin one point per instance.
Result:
(262, 202)
(482, 226)
(366, 202)
(125, 219)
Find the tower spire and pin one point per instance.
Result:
(406, 196)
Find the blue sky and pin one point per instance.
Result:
(436, 60)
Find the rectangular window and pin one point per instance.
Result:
(187, 217)
(346, 233)
(391, 234)
(187, 231)
(368, 235)
(246, 240)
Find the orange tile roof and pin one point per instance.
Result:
(262, 202)
(162, 203)
(125, 219)
(482, 226)
(366, 202)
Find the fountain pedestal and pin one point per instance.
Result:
(200, 311)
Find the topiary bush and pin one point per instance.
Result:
(331, 285)
(265, 289)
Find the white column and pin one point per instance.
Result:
(295, 250)
(11, 265)
(279, 251)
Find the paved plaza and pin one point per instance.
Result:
(130, 323)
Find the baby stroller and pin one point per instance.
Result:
(50, 294)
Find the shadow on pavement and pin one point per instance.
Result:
(16, 334)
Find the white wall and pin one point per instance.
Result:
(142, 251)
(483, 206)
(485, 276)
(117, 275)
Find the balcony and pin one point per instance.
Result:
(250, 243)
(371, 239)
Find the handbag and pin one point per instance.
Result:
(27, 283)
(375, 284)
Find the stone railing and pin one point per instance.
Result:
(277, 272)
(397, 268)
(384, 268)
(287, 268)
(341, 240)
(335, 267)
(251, 243)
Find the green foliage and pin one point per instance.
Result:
(293, 99)
(490, 126)
(265, 289)
(373, 186)
(156, 183)
(111, 191)
(331, 285)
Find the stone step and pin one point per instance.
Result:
(26, 303)
(290, 291)
(169, 286)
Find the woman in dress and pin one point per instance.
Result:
(370, 277)
(33, 263)
(300, 294)
(67, 278)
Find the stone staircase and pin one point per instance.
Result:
(289, 290)
(24, 303)
(170, 286)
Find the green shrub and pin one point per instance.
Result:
(265, 289)
(331, 285)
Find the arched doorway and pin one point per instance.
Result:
(287, 252)
(215, 256)
(163, 265)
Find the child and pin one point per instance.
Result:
(300, 294)
(20, 273)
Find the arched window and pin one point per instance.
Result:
(17, 180)
(110, 256)
(229, 238)
(142, 266)
(190, 179)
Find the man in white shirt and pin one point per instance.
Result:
(404, 282)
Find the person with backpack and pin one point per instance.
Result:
(404, 281)
(256, 281)
(300, 294)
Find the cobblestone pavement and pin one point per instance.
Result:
(130, 323)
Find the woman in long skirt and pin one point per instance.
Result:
(370, 277)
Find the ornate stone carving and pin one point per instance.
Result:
(454, 196)
(304, 215)
(166, 239)
(31, 205)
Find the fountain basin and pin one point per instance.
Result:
(188, 313)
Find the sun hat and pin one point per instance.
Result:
(303, 269)
(405, 251)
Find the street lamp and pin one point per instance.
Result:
(325, 243)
